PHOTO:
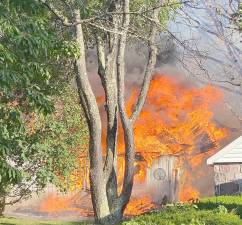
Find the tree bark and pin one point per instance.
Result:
(88, 102)
(107, 72)
(126, 125)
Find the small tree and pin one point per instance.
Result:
(109, 26)
(34, 143)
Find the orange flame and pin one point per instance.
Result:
(189, 194)
(138, 206)
(53, 204)
(176, 119)
(57, 204)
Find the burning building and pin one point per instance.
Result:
(227, 164)
(174, 135)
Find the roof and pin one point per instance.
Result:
(232, 153)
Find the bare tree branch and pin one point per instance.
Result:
(53, 9)
(66, 22)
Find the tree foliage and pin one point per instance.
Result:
(34, 142)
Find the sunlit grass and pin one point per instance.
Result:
(26, 221)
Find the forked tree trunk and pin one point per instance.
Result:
(107, 205)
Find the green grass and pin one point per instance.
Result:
(232, 203)
(186, 215)
(15, 221)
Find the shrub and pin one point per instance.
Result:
(186, 215)
(231, 203)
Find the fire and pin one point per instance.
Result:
(54, 204)
(138, 206)
(189, 194)
(57, 204)
(196, 160)
(177, 119)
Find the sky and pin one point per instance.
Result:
(196, 34)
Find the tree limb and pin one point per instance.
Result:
(65, 21)
(149, 68)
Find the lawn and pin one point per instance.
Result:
(15, 221)
(222, 210)
(232, 203)
(186, 215)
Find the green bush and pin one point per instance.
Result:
(231, 203)
(186, 215)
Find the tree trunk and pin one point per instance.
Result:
(129, 163)
(2, 204)
(88, 102)
(107, 205)
(107, 72)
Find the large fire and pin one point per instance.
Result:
(177, 119)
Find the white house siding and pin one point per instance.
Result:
(228, 168)
(232, 156)
(232, 153)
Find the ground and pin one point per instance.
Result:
(15, 221)
(223, 210)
